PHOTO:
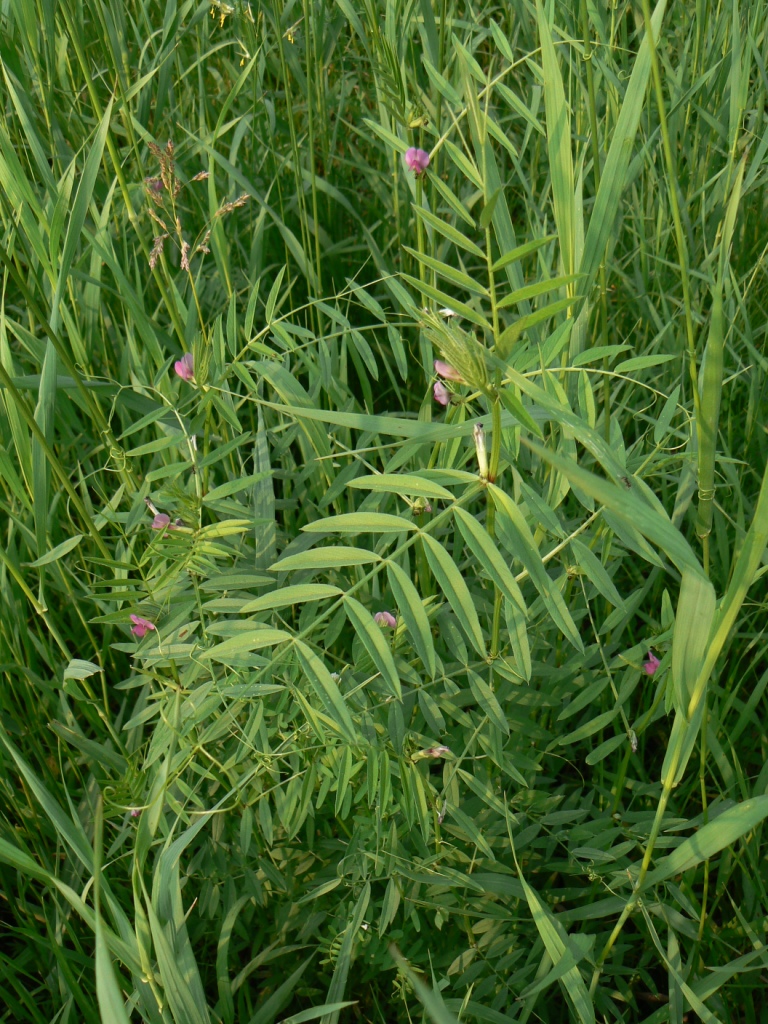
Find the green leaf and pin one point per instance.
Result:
(360, 522)
(558, 145)
(244, 643)
(455, 589)
(338, 984)
(489, 557)
(287, 597)
(487, 700)
(338, 557)
(411, 608)
(693, 625)
(521, 542)
(444, 299)
(327, 690)
(372, 638)
(78, 669)
(556, 943)
(650, 521)
(402, 483)
(532, 291)
(448, 273)
(58, 552)
(448, 231)
(710, 839)
(521, 251)
(596, 573)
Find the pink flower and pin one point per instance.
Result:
(185, 367)
(163, 521)
(417, 160)
(440, 751)
(141, 626)
(650, 666)
(447, 371)
(441, 393)
(385, 619)
(135, 812)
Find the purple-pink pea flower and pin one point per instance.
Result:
(447, 371)
(141, 626)
(385, 619)
(135, 812)
(441, 393)
(650, 666)
(163, 521)
(185, 367)
(417, 160)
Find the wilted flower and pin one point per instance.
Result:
(417, 160)
(185, 367)
(650, 666)
(135, 812)
(385, 619)
(441, 393)
(141, 626)
(435, 751)
(447, 312)
(447, 371)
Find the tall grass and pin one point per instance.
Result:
(540, 794)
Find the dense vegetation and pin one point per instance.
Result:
(336, 684)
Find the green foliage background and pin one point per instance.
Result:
(272, 807)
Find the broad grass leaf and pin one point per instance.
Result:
(693, 625)
(455, 590)
(710, 839)
(556, 944)
(316, 1011)
(628, 505)
(269, 1010)
(613, 178)
(558, 146)
(185, 1004)
(337, 988)
(430, 998)
(411, 608)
